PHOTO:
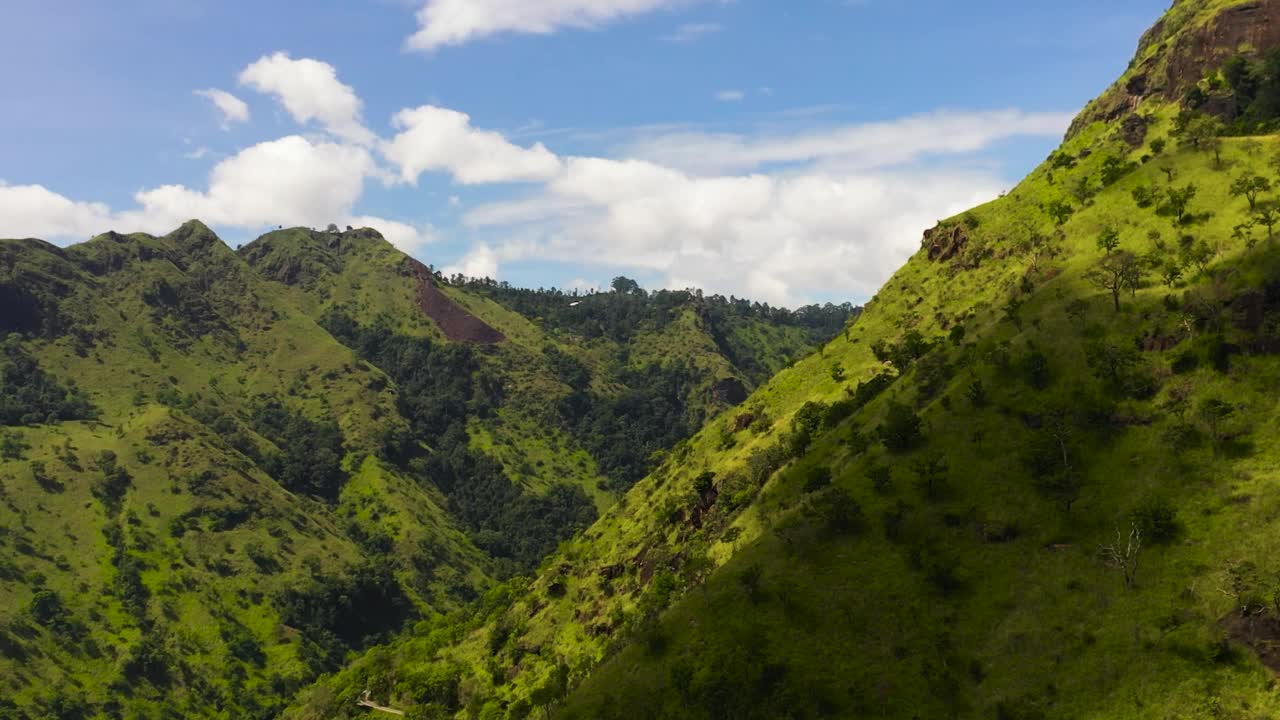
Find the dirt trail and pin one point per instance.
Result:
(364, 701)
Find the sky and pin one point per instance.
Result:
(788, 151)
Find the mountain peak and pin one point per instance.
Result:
(1188, 45)
(303, 255)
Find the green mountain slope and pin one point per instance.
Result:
(590, 387)
(150, 561)
(1037, 479)
(222, 472)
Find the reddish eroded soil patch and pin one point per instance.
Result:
(457, 324)
(1261, 633)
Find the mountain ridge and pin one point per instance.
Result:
(1033, 480)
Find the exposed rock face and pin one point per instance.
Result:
(729, 391)
(1134, 130)
(1184, 56)
(457, 324)
(945, 242)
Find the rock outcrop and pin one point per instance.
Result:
(1180, 51)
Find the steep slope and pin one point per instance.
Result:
(657, 373)
(206, 522)
(1038, 479)
(221, 472)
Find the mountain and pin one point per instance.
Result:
(222, 472)
(1037, 478)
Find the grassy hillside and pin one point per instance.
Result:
(1038, 479)
(545, 364)
(151, 562)
(221, 472)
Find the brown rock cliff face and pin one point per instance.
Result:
(1184, 56)
(944, 242)
(456, 323)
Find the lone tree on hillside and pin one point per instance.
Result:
(625, 285)
(1116, 273)
(1109, 240)
(1267, 216)
(1249, 186)
(1123, 553)
(1060, 210)
(1179, 199)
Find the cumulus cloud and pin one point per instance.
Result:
(777, 238)
(861, 146)
(730, 95)
(455, 22)
(781, 218)
(36, 211)
(438, 139)
(290, 181)
(233, 109)
(408, 238)
(480, 262)
(310, 90)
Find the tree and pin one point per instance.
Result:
(1123, 553)
(12, 446)
(46, 607)
(1158, 145)
(1112, 363)
(1116, 273)
(625, 286)
(1238, 73)
(931, 475)
(1214, 415)
(1243, 233)
(1109, 240)
(1060, 210)
(1200, 132)
(837, 371)
(1114, 168)
(1179, 199)
(1267, 216)
(1171, 274)
(1249, 186)
(900, 430)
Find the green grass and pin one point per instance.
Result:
(1036, 625)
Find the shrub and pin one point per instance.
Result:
(1157, 520)
(901, 429)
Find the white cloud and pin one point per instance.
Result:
(290, 181)
(777, 238)
(730, 95)
(454, 22)
(233, 109)
(863, 146)
(480, 262)
(408, 238)
(435, 139)
(689, 32)
(847, 208)
(197, 154)
(36, 211)
(310, 90)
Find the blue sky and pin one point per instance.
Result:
(786, 151)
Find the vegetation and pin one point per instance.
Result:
(1033, 480)
(925, 510)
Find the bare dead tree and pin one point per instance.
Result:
(1123, 553)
